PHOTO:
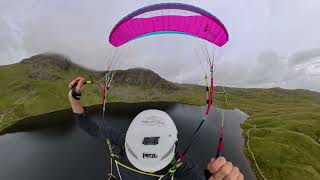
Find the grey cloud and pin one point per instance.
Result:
(272, 42)
(272, 70)
(304, 56)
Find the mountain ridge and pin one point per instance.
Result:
(45, 67)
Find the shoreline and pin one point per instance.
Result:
(35, 123)
(284, 120)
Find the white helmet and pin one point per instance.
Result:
(150, 140)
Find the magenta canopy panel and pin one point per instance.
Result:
(173, 18)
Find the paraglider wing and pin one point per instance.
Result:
(169, 18)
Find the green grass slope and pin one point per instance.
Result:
(283, 131)
(282, 135)
(38, 85)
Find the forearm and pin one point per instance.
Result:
(104, 132)
(75, 104)
(116, 136)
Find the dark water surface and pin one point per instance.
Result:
(65, 152)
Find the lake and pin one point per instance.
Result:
(64, 151)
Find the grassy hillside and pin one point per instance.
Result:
(39, 85)
(282, 134)
(283, 131)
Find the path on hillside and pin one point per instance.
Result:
(3, 124)
(2, 115)
(248, 145)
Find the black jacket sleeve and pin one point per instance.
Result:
(116, 136)
(189, 170)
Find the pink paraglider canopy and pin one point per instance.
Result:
(172, 18)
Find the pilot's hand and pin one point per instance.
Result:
(222, 169)
(79, 84)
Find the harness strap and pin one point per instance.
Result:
(118, 171)
(111, 176)
(137, 171)
(114, 156)
(174, 168)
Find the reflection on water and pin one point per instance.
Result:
(66, 152)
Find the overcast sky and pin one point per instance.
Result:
(273, 43)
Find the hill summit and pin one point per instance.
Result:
(50, 66)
